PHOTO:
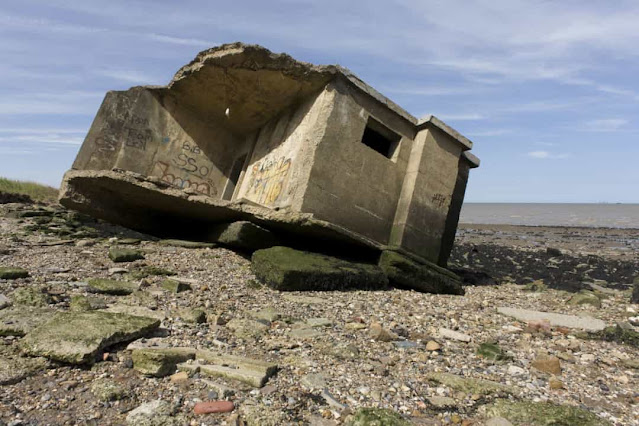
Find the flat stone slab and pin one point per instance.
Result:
(78, 337)
(14, 368)
(286, 269)
(160, 362)
(558, 320)
(247, 370)
(8, 273)
(185, 244)
(114, 287)
(19, 321)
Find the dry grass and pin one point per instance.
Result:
(36, 191)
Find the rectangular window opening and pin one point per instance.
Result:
(380, 138)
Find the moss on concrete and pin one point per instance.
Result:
(117, 288)
(243, 235)
(543, 414)
(404, 272)
(160, 362)
(283, 268)
(377, 417)
(9, 273)
(119, 255)
(78, 337)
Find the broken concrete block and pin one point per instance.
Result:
(160, 362)
(251, 371)
(114, 287)
(427, 277)
(286, 269)
(18, 321)
(193, 316)
(78, 337)
(14, 368)
(119, 255)
(8, 273)
(174, 286)
(243, 235)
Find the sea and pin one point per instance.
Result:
(555, 214)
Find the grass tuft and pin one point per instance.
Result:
(36, 191)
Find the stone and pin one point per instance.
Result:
(557, 320)
(555, 384)
(376, 416)
(209, 407)
(113, 287)
(553, 252)
(304, 333)
(153, 413)
(5, 302)
(220, 389)
(471, 385)
(441, 401)
(186, 244)
(160, 362)
(243, 235)
(585, 297)
(269, 314)
(634, 298)
(179, 377)
(404, 272)
(138, 311)
(543, 413)
(536, 286)
(547, 364)
(319, 322)
(492, 351)
(251, 371)
(106, 390)
(120, 255)
(174, 286)
(286, 269)
(247, 328)
(313, 381)
(193, 316)
(454, 335)
(78, 337)
(10, 273)
(432, 346)
(498, 421)
(331, 400)
(18, 321)
(15, 368)
(79, 302)
(619, 333)
(31, 296)
(377, 332)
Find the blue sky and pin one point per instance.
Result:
(547, 91)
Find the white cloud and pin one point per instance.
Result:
(605, 125)
(542, 155)
(181, 41)
(461, 117)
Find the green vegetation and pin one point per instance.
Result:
(36, 191)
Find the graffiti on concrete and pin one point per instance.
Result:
(268, 178)
(189, 169)
(439, 200)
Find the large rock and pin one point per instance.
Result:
(427, 277)
(78, 337)
(557, 320)
(286, 269)
(243, 235)
(19, 321)
(543, 413)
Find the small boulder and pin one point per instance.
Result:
(243, 235)
(106, 390)
(491, 351)
(547, 364)
(119, 255)
(174, 286)
(378, 332)
(113, 287)
(153, 413)
(160, 362)
(286, 269)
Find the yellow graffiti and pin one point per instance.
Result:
(268, 179)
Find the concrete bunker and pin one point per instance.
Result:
(310, 153)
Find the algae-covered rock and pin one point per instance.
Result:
(79, 302)
(151, 270)
(15, 368)
(114, 287)
(117, 254)
(536, 286)
(8, 273)
(621, 333)
(160, 362)
(174, 286)
(470, 385)
(492, 351)
(543, 414)
(286, 269)
(377, 417)
(106, 390)
(585, 297)
(30, 296)
(193, 316)
(18, 321)
(427, 277)
(78, 337)
(243, 235)
(186, 244)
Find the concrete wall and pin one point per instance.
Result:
(140, 132)
(277, 172)
(427, 194)
(351, 184)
